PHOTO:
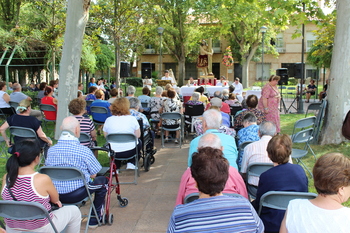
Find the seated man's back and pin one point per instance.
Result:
(69, 153)
(228, 143)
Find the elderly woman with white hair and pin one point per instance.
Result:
(156, 103)
(195, 99)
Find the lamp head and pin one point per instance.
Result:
(160, 30)
(263, 29)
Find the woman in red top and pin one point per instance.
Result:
(48, 99)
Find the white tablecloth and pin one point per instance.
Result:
(187, 91)
(251, 92)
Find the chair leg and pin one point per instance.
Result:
(162, 137)
(306, 168)
(313, 153)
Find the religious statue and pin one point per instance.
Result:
(204, 52)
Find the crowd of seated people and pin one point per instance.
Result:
(216, 139)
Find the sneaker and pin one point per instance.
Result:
(130, 166)
(166, 139)
(93, 223)
(176, 141)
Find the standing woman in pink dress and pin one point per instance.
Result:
(270, 100)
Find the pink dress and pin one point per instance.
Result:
(273, 100)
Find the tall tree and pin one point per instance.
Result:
(121, 22)
(10, 10)
(339, 80)
(181, 30)
(240, 21)
(77, 17)
(320, 54)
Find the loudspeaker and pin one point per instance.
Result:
(298, 70)
(146, 70)
(283, 73)
(124, 69)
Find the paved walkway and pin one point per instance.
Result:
(152, 200)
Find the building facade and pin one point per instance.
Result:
(289, 49)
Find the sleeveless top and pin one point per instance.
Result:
(3, 103)
(305, 217)
(24, 190)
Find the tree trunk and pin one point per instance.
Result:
(339, 81)
(77, 17)
(182, 69)
(245, 74)
(117, 61)
(245, 67)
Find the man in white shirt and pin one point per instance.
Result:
(238, 89)
(256, 151)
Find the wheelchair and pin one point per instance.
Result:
(148, 150)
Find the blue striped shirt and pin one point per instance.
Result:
(69, 153)
(216, 214)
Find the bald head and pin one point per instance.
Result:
(16, 87)
(210, 140)
(71, 124)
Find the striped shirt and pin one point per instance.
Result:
(24, 190)
(86, 126)
(216, 214)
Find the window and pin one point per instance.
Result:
(266, 71)
(279, 41)
(310, 40)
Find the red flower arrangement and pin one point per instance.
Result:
(227, 60)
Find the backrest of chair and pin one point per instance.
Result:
(313, 107)
(194, 110)
(84, 137)
(22, 132)
(171, 116)
(140, 121)
(191, 197)
(304, 123)
(319, 120)
(144, 104)
(302, 136)
(280, 199)
(63, 173)
(99, 109)
(121, 138)
(291, 88)
(47, 107)
(256, 169)
(88, 102)
(23, 210)
(235, 109)
(243, 145)
(13, 104)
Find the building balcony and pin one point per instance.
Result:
(281, 50)
(149, 51)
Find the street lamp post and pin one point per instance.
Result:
(263, 31)
(160, 32)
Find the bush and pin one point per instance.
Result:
(134, 81)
